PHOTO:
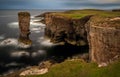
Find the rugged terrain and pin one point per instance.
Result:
(97, 28)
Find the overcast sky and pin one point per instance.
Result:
(59, 4)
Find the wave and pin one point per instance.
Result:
(45, 42)
(9, 42)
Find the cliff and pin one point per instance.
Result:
(104, 39)
(63, 30)
(96, 28)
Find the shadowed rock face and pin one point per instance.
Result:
(102, 34)
(65, 30)
(24, 24)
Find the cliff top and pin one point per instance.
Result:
(108, 22)
(76, 14)
(101, 18)
(24, 14)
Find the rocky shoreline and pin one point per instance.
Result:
(97, 28)
(44, 67)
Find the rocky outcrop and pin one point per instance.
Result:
(101, 33)
(37, 70)
(104, 39)
(24, 24)
(65, 30)
(116, 10)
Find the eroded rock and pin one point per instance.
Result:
(102, 34)
(65, 30)
(34, 71)
(24, 24)
(104, 39)
(37, 70)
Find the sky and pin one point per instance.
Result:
(59, 4)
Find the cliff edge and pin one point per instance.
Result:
(96, 28)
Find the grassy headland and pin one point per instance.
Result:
(76, 14)
(79, 68)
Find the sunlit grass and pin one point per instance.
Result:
(78, 68)
(81, 13)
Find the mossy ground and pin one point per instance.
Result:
(76, 14)
(79, 68)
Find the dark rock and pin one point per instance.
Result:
(61, 29)
(116, 10)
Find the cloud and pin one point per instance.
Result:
(56, 4)
(105, 1)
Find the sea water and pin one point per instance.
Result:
(13, 58)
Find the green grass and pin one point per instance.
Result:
(78, 68)
(76, 14)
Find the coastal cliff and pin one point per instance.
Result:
(104, 39)
(66, 30)
(96, 28)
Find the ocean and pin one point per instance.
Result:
(13, 58)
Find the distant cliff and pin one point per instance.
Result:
(98, 29)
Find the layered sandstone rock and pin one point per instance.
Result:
(65, 30)
(24, 24)
(101, 33)
(104, 39)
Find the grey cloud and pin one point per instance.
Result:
(58, 4)
(104, 1)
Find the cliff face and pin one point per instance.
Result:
(104, 39)
(65, 30)
(24, 23)
(101, 33)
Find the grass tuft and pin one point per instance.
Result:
(79, 68)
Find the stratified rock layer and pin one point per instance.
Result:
(65, 30)
(104, 39)
(24, 24)
(101, 33)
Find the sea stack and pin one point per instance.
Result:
(24, 24)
